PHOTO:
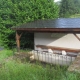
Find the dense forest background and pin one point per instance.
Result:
(17, 12)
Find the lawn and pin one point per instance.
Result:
(16, 70)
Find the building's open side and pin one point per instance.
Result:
(53, 36)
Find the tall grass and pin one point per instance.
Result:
(13, 70)
(18, 71)
(5, 54)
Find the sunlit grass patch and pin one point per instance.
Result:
(75, 16)
(5, 54)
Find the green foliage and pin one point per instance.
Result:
(16, 12)
(15, 70)
(69, 7)
(12, 70)
(75, 16)
(5, 54)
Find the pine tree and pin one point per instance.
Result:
(16, 12)
(69, 7)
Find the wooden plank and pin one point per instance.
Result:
(59, 48)
(59, 30)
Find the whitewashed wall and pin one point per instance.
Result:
(57, 39)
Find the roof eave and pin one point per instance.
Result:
(68, 30)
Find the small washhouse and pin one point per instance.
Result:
(56, 41)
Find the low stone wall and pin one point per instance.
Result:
(75, 66)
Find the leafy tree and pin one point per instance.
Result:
(16, 12)
(69, 7)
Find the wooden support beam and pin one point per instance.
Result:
(58, 48)
(77, 37)
(18, 36)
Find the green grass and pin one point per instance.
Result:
(5, 54)
(13, 70)
(75, 16)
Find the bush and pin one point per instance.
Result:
(14, 13)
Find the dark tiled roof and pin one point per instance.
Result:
(56, 23)
(61, 23)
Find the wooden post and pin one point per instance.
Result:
(18, 41)
(76, 36)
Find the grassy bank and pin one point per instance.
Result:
(75, 16)
(13, 70)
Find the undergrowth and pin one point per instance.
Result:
(13, 70)
(5, 54)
